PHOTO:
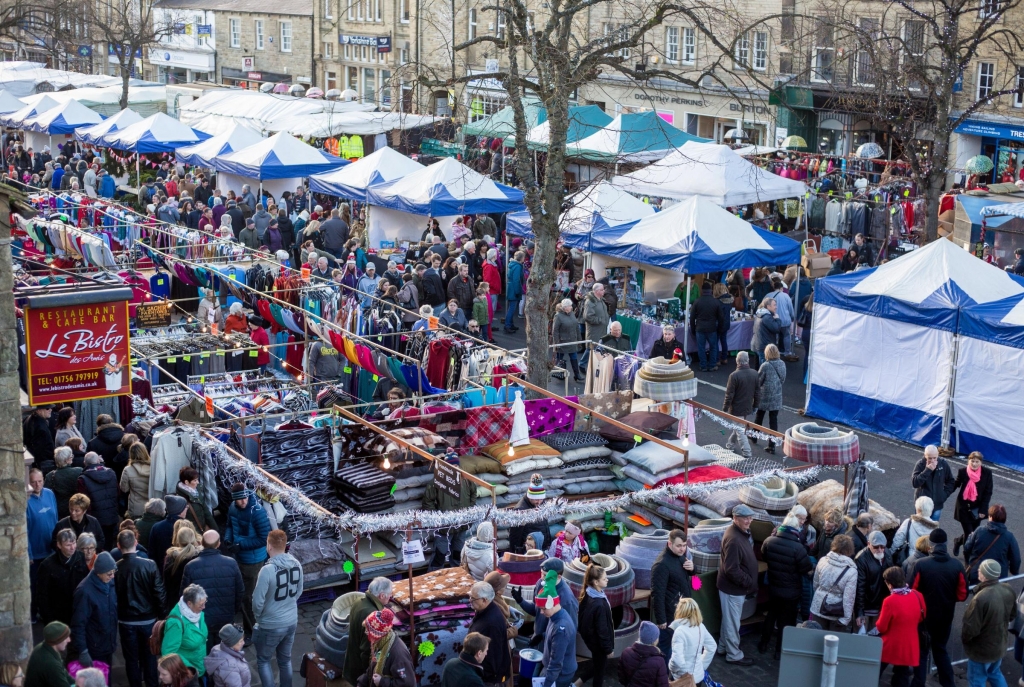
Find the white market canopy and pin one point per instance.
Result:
(327, 124)
(158, 133)
(16, 120)
(122, 120)
(23, 78)
(63, 119)
(595, 207)
(709, 171)
(106, 100)
(445, 188)
(351, 181)
(279, 157)
(9, 103)
(239, 136)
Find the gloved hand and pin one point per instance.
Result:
(536, 641)
(85, 659)
(517, 594)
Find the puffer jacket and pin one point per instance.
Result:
(766, 331)
(826, 576)
(771, 376)
(248, 528)
(135, 483)
(222, 580)
(100, 485)
(227, 667)
(788, 563)
(478, 558)
(565, 329)
(642, 665)
(107, 442)
(94, 618)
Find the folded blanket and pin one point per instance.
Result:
(447, 584)
(577, 488)
(587, 464)
(362, 477)
(531, 465)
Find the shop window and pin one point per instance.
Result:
(986, 79)
(672, 44)
(760, 51)
(472, 23)
(369, 85)
(824, 55)
(286, 36)
(259, 34)
(352, 79)
(689, 45)
(235, 28)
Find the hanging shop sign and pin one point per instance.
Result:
(77, 351)
(447, 478)
(152, 315)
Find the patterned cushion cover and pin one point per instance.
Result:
(572, 440)
(535, 449)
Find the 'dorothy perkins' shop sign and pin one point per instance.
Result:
(77, 352)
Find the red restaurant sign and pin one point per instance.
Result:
(77, 352)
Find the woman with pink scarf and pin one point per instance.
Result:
(975, 483)
(569, 544)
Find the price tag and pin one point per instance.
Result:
(432, 322)
(171, 361)
(253, 354)
(159, 282)
(348, 369)
(305, 273)
(376, 378)
(209, 405)
(892, 211)
(204, 355)
(187, 358)
(233, 276)
(906, 192)
(412, 552)
(637, 438)
(220, 353)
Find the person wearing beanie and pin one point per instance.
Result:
(94, 614)
(531, 500)
(226, 665)
(389, 656)
(570, 604)
(246, 536)
(570, 544)
(46, 665)
(643, 665)
(465, 670)
(559, 633)
(162, 534)
(983, 629)
(942, 581)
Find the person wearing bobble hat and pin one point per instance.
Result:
(643, 665)
(559, 634)
(246, 535)
(390, 660)
(532, 500)
(984, 626)
(45, 665)
(226, 665)
(567, 599)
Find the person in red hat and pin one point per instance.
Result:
(390, 660)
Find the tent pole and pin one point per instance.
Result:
(686, 321)
(947, 417)
(138, 177)
(810, 364)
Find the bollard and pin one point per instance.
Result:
(829, 661)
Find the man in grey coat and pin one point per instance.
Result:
(595, 317)
(742, 394)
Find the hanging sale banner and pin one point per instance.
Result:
(77, 352)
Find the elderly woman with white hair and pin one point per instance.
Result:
(565, 337)
(920, 524)
(185, 629)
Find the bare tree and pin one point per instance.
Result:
(131, 27)
(905, 62)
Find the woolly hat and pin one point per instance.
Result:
(56, 632)
(547, 597)
(378, 624)
(175, 504)
(535, 492)
(649, 633)
(571, 531)
(538, 538)
(229, 634)
(553, 564)
(351, 259)
(239, 492)
(990, 569)
(876, 538)
(938, 536)
(105, 562)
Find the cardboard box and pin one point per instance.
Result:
(816, 264)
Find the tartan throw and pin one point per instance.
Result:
(664, 391)
(810, 443)
(705, 562)
(769, 496)
(487, 425)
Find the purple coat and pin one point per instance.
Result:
(643, 665)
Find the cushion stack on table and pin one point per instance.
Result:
(586, 462)
(664, 380)
(771, 500)
(811, 443)
(704, 542)
(411, 480)
(640, 550)
(621, 578)
(534, 457)
(363, 487)
(651, 463)
(656, 424)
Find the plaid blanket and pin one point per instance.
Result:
(810, 443)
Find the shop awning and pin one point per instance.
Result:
(1006, 129)
(1006, 210)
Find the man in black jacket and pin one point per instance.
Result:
(706, 318)
(433, 287)
(94, 614)
(670, 581)
(788, 564)
(933, 478)
(490, 622)
(140, 596)
(222, 580)
(54, 580)
(99, 483)
(107, 441)
(871, 588)
(742, 393)
(941, 580)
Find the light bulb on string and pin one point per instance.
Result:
(387, 463)
(511, 450)
(686, 441)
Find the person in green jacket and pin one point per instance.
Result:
(481, 311)
(185, 629)
(45, 665)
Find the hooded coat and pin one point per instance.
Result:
(766, 331)
(107, 442)
(478, 552)
(100, 485)
(227, 667)
(830, 581)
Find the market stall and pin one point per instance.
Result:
(596, 207)
(584, 120)
(219, 110)
(631, 137)
(236, 138)
(352, 181)
(16, 119)
(61, 120)
(158, 133)
(93, 134)
(276, 164)
(9, 103)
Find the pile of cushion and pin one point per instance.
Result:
(411, 480)
(770, 501)
(621, 578)
(704, 542)
(534, 457)
(323, 560)
(650, 464)
(640, 551)
(664, 380)
(363, 487)
(809, 442)
(586, 462)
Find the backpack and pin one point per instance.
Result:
(156, 639)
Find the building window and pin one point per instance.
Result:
(989, 9)
(352, 10)
(369, 85)
(328, 9)
(864, 68)
(286, 36)
(328, 50)
(385, 88)
(1018, 97)
(760, 51)
(500, 32)
(235, 27)
(986, 79)
(352, 79)
(913, 50)
(405, 11)
(824, 55)
(378, 11)
(259, 34)
(403, 56)
(359, 10)
(363, 53)
(472, 24)
(689, 45)
(330, 80)
(347, 51)
(741, 51)
(672, 44)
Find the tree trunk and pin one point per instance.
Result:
(937, 174)
(126, 75)
(15, 617)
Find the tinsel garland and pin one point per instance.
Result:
(698, 413)
(363, 524)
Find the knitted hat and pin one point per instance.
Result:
(238, 491)
(56, 632)
(498, 580)
(990, 569)
(938, 536)
(649, 633)
(554, 564)
(379, 624)
(105, 563)
(547, 597)
(535, 491)
(351, 259)
(229, 634)
(175, 504)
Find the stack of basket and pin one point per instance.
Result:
(665, 380)
(641, 550)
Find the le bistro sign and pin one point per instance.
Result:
(77, 350)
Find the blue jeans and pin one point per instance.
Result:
(709, 340)
(138, 662)
(510, 317)
(980, 673)
(271, 642)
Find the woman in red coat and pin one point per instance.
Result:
(902, 611)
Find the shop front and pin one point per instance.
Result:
(182, 66)
(252, 79)
(1002, 141)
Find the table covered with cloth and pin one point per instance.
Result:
(644, 334)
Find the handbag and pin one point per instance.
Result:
(686, 679)
(979, 559)
(903, 552)
(834, 610)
